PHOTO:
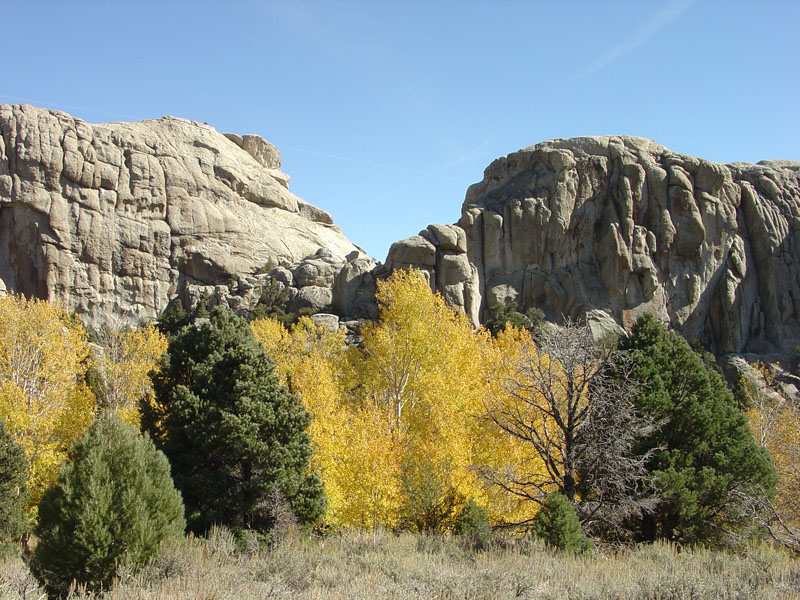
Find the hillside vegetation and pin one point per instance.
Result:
(427, 460)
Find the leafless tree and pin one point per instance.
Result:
(571, 400)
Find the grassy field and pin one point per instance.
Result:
(363, 565)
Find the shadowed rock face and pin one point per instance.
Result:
(115, 219)
(603, 227)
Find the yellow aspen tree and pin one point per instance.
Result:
(122, 366)
(775, 423)
(422, 364)
(43, 397)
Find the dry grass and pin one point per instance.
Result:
(362, 565)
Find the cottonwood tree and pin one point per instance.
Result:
(775, 422)
(119, 368)
(43, 398)
(569, 400)
(397, 425)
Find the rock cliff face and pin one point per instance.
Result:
(113, 220)
(606, 228)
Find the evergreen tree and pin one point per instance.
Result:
(472, 524)
(558, 526)
(704, 451)
(173, 318)
(231, 430)
(13, 490)
(113, 502)
(507, 314)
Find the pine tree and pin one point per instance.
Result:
(231, 430)
(558, 526)
(705, 454)
(13, 490)
(113, 502)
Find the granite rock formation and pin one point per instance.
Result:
(114, 220)
(606, 228)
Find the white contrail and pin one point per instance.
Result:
(641, 36)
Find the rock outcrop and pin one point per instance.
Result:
(606, 228)
(113, 220)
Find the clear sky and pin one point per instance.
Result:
(385, 112)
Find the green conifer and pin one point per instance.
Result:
(13, 491)
(113, 503)
(558, 525)
(231, 430)
(705, 452)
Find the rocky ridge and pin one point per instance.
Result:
(114, 220)
(606, 228)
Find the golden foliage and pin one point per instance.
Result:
(398, 424)
(43, 397)
(123, 364)
(775, 423)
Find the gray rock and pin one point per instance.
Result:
(327, 321)
(114, 220)
(608, 228)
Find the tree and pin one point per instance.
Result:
(173, 318)
(703, 454)
(563, 402)
(231, 430)
(121, 368)
(113, 502)
(472, 524)
(43, 397)
(422, 368)
(398, 422)
(558, 525)
(775, 422)
(13, 489)
(507, 314)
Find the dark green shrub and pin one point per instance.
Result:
(113, 503)
(230, 429)
(507, 314)
(173, 318)
(472, 525)
(703, 454)
(558, 526)
(13, 491)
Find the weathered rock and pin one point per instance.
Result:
(326, 321)
(607, 228)
(116, 219)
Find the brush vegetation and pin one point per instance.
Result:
(360, 564)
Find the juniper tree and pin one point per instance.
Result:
(703, 455)
(13, 489)
(232, 432)
(113, 503)
(558, 526)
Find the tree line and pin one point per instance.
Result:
(426, 425)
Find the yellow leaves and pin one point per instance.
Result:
(399, 428)
(43, 398)
(123, 364)
(775, 423)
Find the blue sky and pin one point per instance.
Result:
(385, 112)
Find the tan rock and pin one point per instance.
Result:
(115, 219)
